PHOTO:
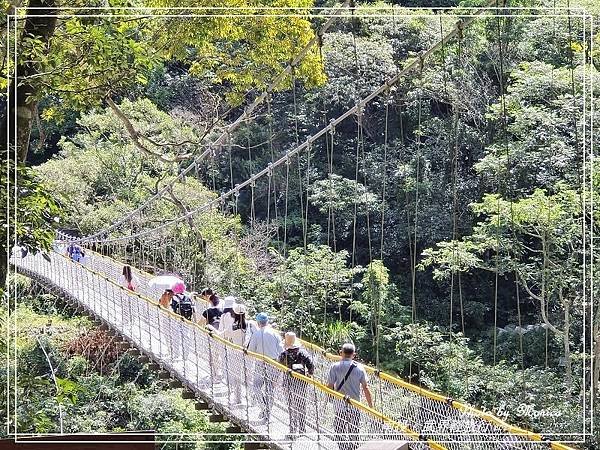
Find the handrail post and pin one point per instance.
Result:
(244, 354)
(226, 368)
(211, 367)
(183, 332)
(195, 358)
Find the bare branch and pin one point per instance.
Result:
(181, 206)
(135, 136)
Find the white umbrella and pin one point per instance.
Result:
(167, 282)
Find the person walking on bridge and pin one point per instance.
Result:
(165, 299)
(227, 318)
(75, 253)
(265, 341)
(297, 360)
(211, 315)
(348, 377)
(128, 280)
(235, 332)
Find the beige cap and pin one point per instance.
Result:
(239, 309)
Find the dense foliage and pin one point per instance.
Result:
(441, 229)
(72, 378)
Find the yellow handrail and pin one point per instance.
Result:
(361, 406)
(490, 418)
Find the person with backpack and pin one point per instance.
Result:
(212, 314)
(297, 360)
(75, 252)
(348, 378)
(182, 304)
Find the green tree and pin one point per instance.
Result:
(532, 398)
(310, 285)
(539, 239)
(83, 62)
(375, 284)
(37, 214)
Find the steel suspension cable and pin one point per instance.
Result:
(453, 170)
(272, 175)
(499, 188)
(297, 138)
(384, 182)
(455, 173)
(355, 215)
(415, 63)
(331, 238)
(417, 173)
(272, 87)
(305, 241)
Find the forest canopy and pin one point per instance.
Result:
(443, 227)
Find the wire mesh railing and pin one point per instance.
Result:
(432, 416)
(255, 391)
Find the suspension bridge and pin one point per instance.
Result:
(211, 368)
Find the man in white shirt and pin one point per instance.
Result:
(265, 341)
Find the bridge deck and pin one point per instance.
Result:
(213, 368)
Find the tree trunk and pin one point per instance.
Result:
(17, 117)
(21, 102)
(567, 347)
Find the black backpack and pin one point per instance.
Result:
(294, 359)
(182, 304)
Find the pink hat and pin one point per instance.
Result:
(178, 288)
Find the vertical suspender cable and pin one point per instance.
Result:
(460, 38)
(355, 215)
(453, 189)
(297, 137)
(417, 174)
(497, 230)
(384, 182)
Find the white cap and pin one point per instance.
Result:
(229, 301)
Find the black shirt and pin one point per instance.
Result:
(296, 355)
(212, 315)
